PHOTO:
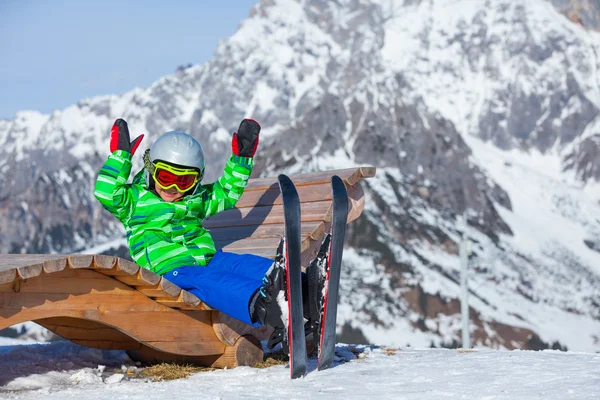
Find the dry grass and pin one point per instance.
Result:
(270, 362)
(168, 372)
(390, 351)
(466, 351)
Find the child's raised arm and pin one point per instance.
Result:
(227, 190)
(111, 185)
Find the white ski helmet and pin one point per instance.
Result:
(176, 148)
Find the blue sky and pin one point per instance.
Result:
(54, 53)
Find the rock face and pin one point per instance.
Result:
(481, 117)
(583, 12)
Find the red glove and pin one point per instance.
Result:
(119, 138)
(245, 140)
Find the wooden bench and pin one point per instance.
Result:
(110, 303)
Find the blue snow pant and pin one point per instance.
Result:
(227, 283)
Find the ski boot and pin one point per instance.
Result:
(270, 305)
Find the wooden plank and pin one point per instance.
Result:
(30, 271)
(264, 215)
(229, 329)
(318, 232)
(188, 299)
(349, 175)
(102, 261)
(202, 345)
(11, 261)
(106, 344)
(256, 243)
(162, 289)
(144, 278)
(356, 203)
(25, 266)
(268, 249)
(311, 211)
(69, 273)
(268, 252)
(81, 329)
(114, 266)
(272, 196)
(127, 266)
(80, 261)
(116, 300)
(8, 276)
(260, 231)
(252, 243)
(180, 332)
(311, 248)
(185, 301)
(83, 280)
(363, 173)
(73, 286)
(247, 351)
(54, 264)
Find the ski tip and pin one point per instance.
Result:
(286, 184)
(283, 177)
(339, 186)
(285, 181)
(338, 182)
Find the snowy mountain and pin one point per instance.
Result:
(481, 117)
(583, 12)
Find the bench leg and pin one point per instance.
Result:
(247, 351)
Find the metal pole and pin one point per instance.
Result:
(464, 251)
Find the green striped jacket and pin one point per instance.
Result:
(163, 236)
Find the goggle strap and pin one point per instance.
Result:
(147, 163)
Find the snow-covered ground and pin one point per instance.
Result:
(62, 370)
(552, 216)
(543, 273)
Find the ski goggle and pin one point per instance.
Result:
(166, 176)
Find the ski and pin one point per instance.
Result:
(316, 273)
(295, 329)
(332, 274)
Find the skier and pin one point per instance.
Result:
(162, 212)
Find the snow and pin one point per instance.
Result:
(540, 193)
(63, 370)
(431, 42)
(264, 99)
(552, 215)
(108, 245)
(284, 57)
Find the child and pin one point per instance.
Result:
(162, 211)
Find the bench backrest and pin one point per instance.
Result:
(256, 224)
